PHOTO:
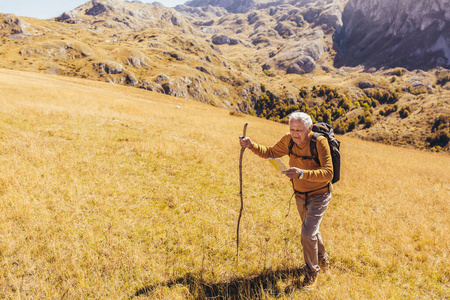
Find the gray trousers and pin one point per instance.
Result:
(311, 214)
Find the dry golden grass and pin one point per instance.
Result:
(109, 192)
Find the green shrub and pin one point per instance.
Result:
(440, 138)
(398, 72)
(405, 111)
(352, 124)
(340, 128)
(417, 91)
(303, 92)
(388, 110)
(443, 79)
(263, 88)
(368, 122)
(440, 123)
(383, 96)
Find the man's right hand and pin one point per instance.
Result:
(245, 142)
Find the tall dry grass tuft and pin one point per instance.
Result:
(112, 192)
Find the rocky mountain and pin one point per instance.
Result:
(406, 33)
(262, 58)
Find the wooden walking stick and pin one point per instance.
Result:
(240, 193)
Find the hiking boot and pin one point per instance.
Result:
(324, 264)
(310, 280)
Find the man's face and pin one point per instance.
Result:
(299, 132)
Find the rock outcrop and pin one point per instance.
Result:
(125, 15)
(232, 6)
(408, 33)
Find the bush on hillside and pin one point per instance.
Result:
(417, 90)
(303, 92)
(388, 110)
(398, 72)
(441, 122)
(383, 96)
(440, 138)
(443, 79)
(405, 111)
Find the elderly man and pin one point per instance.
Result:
(311, 183)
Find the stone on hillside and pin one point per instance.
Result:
(176, 20)
(366, 85)
(176, 88)
(131, 80)
(302, 65)
(202, 69)
(233, 42)
(283, 30)
(161, 78)
(109, 67)
(150, 86)
(332, 17)
(66, 16)
(97, 8)
(300, 56)
(138, 60)
(15, 24)
(220, 39)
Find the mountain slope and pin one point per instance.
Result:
(411, 34)
(268, 61)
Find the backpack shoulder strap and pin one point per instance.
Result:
(291, 145)
(313, 146)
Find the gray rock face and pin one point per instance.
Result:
(120, 14)
(232, 6)
(365, 85)
(97, 8)
(205, 12)
(299, 57)
(408, 33)
(332, 17)
(14, 24)
(110, 67)
(302, 65)
(220, 39)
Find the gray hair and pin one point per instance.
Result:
(301, 116)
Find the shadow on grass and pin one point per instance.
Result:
(238, 288)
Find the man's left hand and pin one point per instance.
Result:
(292, 172)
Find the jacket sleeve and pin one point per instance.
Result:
(280, 149)
(325, 172)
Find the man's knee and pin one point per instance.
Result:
(308, 236)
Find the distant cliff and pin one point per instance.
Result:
(232, 6)
(407, 33)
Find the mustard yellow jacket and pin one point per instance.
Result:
(315, 177)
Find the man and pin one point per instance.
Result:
(311, 182)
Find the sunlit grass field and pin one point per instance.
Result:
(110, 192)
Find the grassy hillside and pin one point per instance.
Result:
(113, 192)
(392, 106)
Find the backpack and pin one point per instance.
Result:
(327, 131)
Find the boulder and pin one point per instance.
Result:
(366, 85)
(220, 39)
(109, 67)
(302, 65)
(97, 8)
(161, 78)
(175, 88)
(150, 86)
